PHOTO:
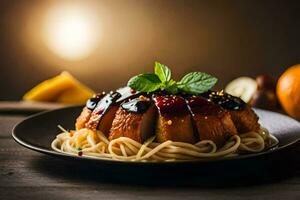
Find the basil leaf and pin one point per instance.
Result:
(197, 82)
(145, 82)
(162, 71)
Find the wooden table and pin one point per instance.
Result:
(25, 174)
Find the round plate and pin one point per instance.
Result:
(38, 131)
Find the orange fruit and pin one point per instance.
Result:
(288, 91)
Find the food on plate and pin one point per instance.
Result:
(155, 118)
(137, 125)
(174, 121)
(63, 88)
(242, 115)
(288, 91)
(212, 122)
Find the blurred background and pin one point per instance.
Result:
(104, 43)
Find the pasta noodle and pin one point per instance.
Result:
(94, 144)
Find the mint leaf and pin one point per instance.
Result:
(192, 83)
(162, 71)
(196, 82)
(171, 87)
(145, 83)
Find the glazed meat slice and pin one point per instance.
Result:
(242, 115)
(245, 119)
(100, 110)
(106, 120)
(102, 116)
(83, 118)
(134, 119)
(174, 120)
(103, 121)
(211, 121)
(87, 111)
(127, 93)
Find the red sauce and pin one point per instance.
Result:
(198, 104)
(170, 104)
(132, 91)
(195, 101)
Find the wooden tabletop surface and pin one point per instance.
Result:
(25, 174)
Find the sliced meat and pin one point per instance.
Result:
(177, 128)
(211, 121)
(100, 110)
(174, 120)
(106, 120)
(245, 120)
(134, 124)
(102, 121)
(83, 118)
(126, 93)
(87, 111)
(104, 113)
(242, 115)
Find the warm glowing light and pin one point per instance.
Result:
(71, 31)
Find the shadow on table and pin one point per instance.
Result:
(235, 173)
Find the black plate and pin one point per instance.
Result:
(38, 131)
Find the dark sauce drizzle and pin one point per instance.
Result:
(106, 102)
(225, 100)
(101, 108)
(136, 105)
(92, 102)
(114, 97)
(100, 104)
(127, 93)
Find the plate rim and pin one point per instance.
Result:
(111, 161)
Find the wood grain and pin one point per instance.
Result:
(25, 174)
(7, 123)
(27, 106)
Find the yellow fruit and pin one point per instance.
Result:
(76, 95)
(288, 91)
(63, 88)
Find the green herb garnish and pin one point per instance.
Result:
(145, 82)
(191, 83)
(163, 72)
(196, 82)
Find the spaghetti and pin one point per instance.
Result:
(95, 144)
